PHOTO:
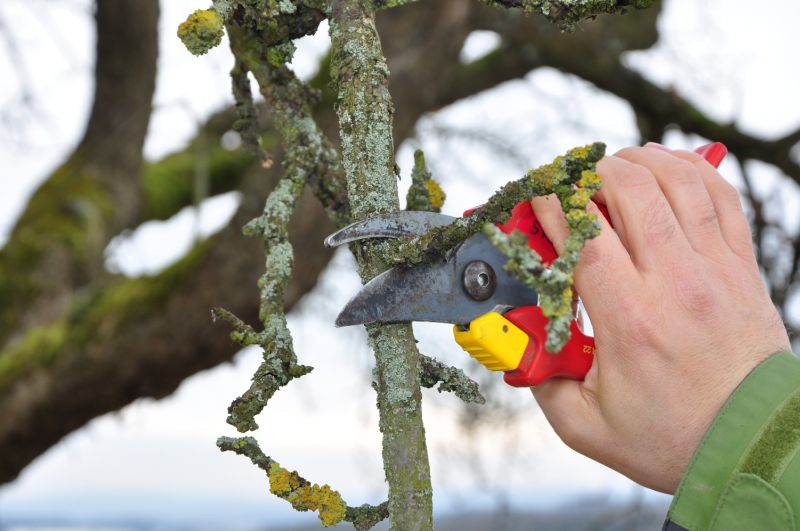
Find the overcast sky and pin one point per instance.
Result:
(157, 459)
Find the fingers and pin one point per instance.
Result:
(640, 213)
(682, 183)
(733, 224)
(604, 272)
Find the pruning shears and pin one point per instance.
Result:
(496, 318)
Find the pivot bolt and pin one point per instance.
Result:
(479, 280)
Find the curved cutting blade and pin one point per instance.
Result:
(394, 225)
(435, 292)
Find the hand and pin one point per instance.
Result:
(679, 310)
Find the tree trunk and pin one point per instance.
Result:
(57, 244)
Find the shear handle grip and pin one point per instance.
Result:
(575, 359)
(537, 364)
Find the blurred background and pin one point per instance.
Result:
(124, 190)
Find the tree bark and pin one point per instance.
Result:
(365, 110)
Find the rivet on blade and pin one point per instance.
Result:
(479, 280)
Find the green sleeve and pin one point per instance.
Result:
(745, 475)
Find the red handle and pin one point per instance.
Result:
(575, 359)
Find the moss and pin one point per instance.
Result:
(168, 185)
(103, 311)
(201, 31)
(63, 229)
(39, 347)
(280, 54)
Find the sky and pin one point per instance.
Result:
(156, 460)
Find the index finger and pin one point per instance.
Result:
(605, 272)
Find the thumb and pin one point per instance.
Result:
(572, 410)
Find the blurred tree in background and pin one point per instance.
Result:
(77, 341)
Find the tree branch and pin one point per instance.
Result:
(556, 177)
(365, 121)
(57, 244)
(452, 379)
(301, 493)
(567, 13)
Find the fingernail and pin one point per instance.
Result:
(656, 145)
(713, 153)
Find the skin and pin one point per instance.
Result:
(679, 310)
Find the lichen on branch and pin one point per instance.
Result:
(201, 31)
(567, 13)
(247, 123)
(577, 185)
(308, 154)
(263, 49)
(452, 379)
(558, 177)
(424, 194)
(301, 493)
(364, 108)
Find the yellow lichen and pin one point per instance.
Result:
(201, 31)
(435, 193)
(307, 497)
(281, 481)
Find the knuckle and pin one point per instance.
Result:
(628, 152)
(707, 219)
(591, 257)
(729, 194)
(693, 292)
(640, 327)
(690, 156)
(682, 172)
(618, 171)
(634, 177)
(658, 223)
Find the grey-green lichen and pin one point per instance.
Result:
(201, 31)
(301, 493)
(364, 107)
(307, 153)
(424, 193)
(567, 13)
(247, 116)
(574, 184)
(558, 177)
(279, 365)
(452, 379)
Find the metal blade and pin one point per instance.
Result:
(394, 225)
(435, 292)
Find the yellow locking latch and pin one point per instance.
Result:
(494, 341)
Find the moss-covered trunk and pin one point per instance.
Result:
(365, 119)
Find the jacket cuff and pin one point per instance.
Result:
(748, 447)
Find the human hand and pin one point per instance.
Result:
(679, 311)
